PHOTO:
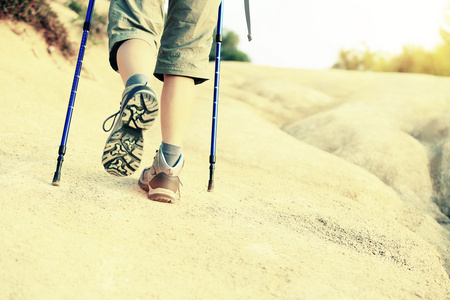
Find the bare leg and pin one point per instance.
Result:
(135, 57)
(177, 100)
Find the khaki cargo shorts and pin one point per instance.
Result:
(182, 45)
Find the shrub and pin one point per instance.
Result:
(38, 14)
(229, 49)
(412, 59)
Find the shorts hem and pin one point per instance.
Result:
(118, 39)
(199, 76)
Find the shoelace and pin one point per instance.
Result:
(114, 115)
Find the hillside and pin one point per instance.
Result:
(328, 186)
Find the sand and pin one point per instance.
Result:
(329, 185)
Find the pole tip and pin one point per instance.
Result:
(210, 186)
(56, 179)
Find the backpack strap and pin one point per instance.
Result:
(247, 16)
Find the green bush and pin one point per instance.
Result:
(229, 51)
(75, 6)
(38, 14)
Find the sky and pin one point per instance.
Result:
(308, 34)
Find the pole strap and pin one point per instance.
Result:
(247, 16)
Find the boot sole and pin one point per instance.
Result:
(124, 148)
(123, 152)
(160, 194)
(141, 110)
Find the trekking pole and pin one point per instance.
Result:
(62, 147)
(212, 157)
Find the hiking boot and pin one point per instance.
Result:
(124, 147)
(161, 181)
